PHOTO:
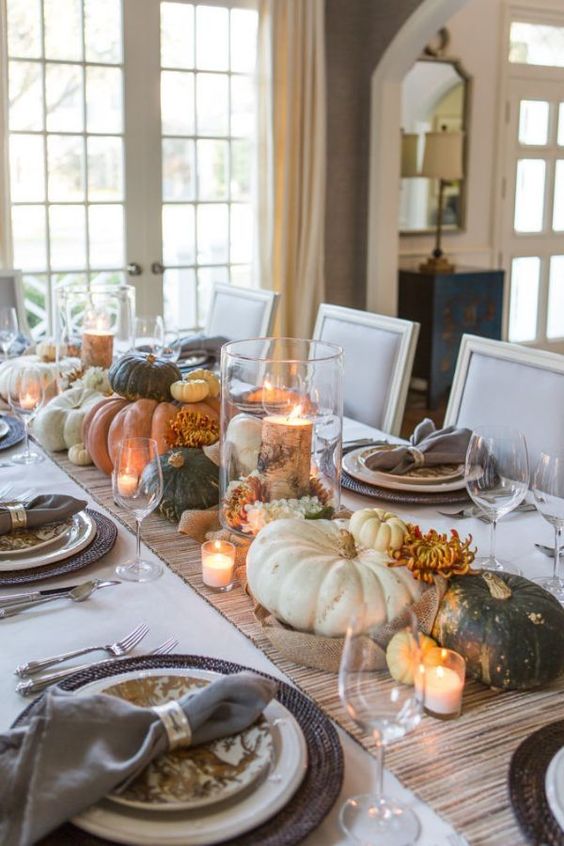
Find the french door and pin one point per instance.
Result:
(131, 147)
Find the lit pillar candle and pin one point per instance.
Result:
(218, 564)
(444, 682)
(285, 455)
(97, 340)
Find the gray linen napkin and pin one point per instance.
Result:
(428, 446)
(74, 750)
(201, 343)
(41, 510)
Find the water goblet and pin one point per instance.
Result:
(548, 491)
(8, 328)
(149, 334)
(497, 479)
(387, 710)
(170, 350)
(26, 393)
(140, 496)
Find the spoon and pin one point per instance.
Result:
(78, 594)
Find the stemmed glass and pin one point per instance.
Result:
(134, 492)
(8, 328)
(26, 395)
(149, 334)
(497, 478)
(387, 710)
(548, 490)
(170, 350)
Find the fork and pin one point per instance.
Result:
(120, 647)
(474, 511)
(32, 686)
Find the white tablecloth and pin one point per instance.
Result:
(171, 608)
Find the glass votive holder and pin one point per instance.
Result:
(218, 564)
(445, 671)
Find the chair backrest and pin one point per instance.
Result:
(11, 295)
(239, 313)
(500, 383)
(379, 353)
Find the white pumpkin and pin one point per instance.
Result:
(58, 426)
(377, 529)
(310, 575)
(79, 455)
(47, 349)
(50, 371)
(242, 443)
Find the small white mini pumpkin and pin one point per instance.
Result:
(403, 656)
(193, 391)
(209, 377)
(47, 350)
(377, 529)
(79, 455)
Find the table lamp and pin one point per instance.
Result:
(443, 161)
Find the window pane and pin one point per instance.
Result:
(67, 237)
(561, 125)
(523, 307)
(207, 278)
(177, 35)
(36, 303)
(555, 317)
(244, 24)
(65, 158)
(178, 234)
(241, 276)
(533, 122)
(63, 29)
(177, 103)
(212, 170)
(243, 105)
(26, 95)
(241, 169)
(178, 169)
(529, 195)
(105, 168)
(64, 98)
(558, 211)
(536, 44)
(241, 233)
(27, 173)
(104, 99)
(180, 306)
(106, 236)
(212, 38)
(212, 234)
(24, 28)
(29, 237)
(111, 277)
(212, 104)
(102, 31)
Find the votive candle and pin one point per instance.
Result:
(127, 483)
(444, 682)
(218, 564)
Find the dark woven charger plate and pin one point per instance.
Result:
(312, 801)
(106, 533)
(527, 772)
(16, 433)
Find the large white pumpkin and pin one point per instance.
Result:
(310, 575)
(58, 426)
(50, 371)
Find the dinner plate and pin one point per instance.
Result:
(192, 778)
(554, 787)
(81, 534)
(354, 464)
(214, 824)
(4, 429)
(23, 541)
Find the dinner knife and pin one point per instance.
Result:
(32, 595)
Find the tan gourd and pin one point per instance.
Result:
(209, 377)
(79, 455)
(377, 529)
(193, 391)
(403, 656)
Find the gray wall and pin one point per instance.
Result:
(357, 34)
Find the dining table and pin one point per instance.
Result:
(452, 809)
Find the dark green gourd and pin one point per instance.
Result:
(139, 376)
(190, 480)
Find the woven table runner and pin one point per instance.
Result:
(459, 768)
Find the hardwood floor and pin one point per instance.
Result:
(416, 409)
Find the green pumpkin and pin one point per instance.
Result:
(190, 480)
(509, 630)
(139, 376)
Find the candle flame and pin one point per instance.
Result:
(295, 412)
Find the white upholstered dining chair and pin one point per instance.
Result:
(239, 313)
(379, 353)
(500, 383)
(12, 295)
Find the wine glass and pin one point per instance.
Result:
(497, 478)
(548, 490)
(387, 710)
(26, 393)
(149, 334)
(170, 350)
(8, 328)
(135, 492)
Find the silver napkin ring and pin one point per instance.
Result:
(176, 724)
(18, 516)
(417, 455)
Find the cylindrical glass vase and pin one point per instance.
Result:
(281, 431)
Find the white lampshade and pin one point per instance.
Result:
(443, 156)
(409, 143)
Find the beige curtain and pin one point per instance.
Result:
(291, 158)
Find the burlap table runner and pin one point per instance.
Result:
(459, 768)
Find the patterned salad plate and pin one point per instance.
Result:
(4, 429)
(192, 778)
(32, 540)
(438, 479)
(79, 535)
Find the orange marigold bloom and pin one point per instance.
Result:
(192, 429)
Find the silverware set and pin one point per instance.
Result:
(15, 604)
(474, 511)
